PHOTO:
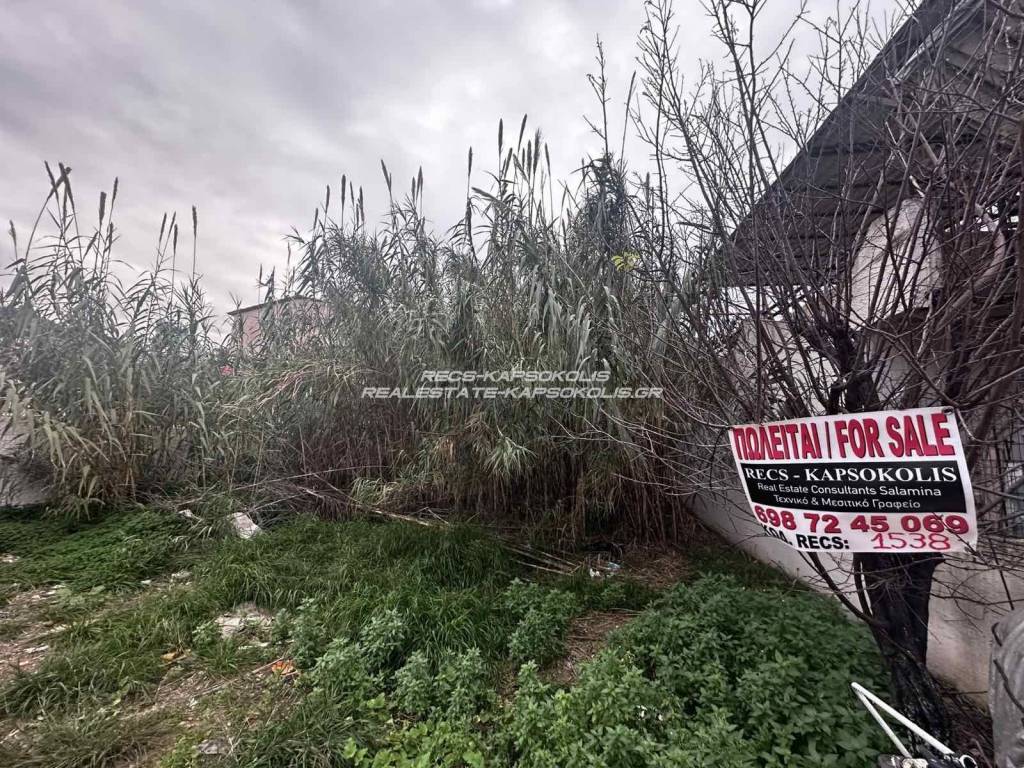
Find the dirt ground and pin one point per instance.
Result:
(655, 567)
(26, 632)
(588, 634)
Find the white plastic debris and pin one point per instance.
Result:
(188, 514)
(243, 617)
(8, 559)
(181, 575)
(219, 745)
(244, 526)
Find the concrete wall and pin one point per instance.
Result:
(894, 272)
(968, 599)
(896, 268)
(247, 324)
(18, 486)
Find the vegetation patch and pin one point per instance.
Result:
(588, 635)
(712, 674)
(115, 551)
(391, 644)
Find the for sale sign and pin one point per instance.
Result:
(862, 482)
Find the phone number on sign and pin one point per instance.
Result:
(921, 531)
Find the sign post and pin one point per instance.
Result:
(859, 482)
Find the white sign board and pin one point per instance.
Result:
(860, 482)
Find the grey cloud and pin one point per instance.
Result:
(249, 109)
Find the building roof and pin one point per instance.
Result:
(284, 300)
(846, 171)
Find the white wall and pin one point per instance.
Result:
(18, 487)
(896, 267)
(894, 271)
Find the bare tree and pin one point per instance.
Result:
(840, 239)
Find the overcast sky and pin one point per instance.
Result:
(249, 109)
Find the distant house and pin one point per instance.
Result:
(252, 326)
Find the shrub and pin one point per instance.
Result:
(463, 683)
(308, 634)
(440, 743)
(712, 674)
(343, 673)
(542, 616)
(415, 688)
(613, 716)
(381, 639)
(355, 670)
(459, 689)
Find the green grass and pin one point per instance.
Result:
(445, 583)
(114, 552)
(327, 579)
(408, 640)
(709, 557)
(89, 738)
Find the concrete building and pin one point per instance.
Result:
(252, 326)
(893, 273)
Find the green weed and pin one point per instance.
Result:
(401, 635)
(331, 578)
(113, 552)
(711, 674)
(88, 738)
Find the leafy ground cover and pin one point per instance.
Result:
(393, 644)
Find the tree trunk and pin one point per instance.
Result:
(898, 588)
